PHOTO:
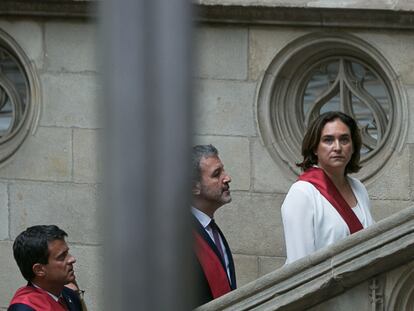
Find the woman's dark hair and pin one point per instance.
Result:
(313, 135)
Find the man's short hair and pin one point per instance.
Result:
(31, 247)
(199, 152)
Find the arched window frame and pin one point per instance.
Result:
(14, 138)
(279, 101)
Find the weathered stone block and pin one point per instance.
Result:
(265, 43)
(247, 269)
(47, 155)
(87, 158)
(4, 212)
(381, 209)
(88, 269)
(356, 298)
(268, 176)
(252, 224)
(28, 36)
(71, 46)
(224, 108)
(9, 274)
(393, 181)
(70, 100)
(270, 264)
(221, 52)
(235, 154)
(72, 207)
(406, 5)
(395, 47)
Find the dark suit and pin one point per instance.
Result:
(204, 292)
(71, 298)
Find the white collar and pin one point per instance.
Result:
(202, 218)
(51, 295)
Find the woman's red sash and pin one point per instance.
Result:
(37, 299)
(212, 267)
(317, 177)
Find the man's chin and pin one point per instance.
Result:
(72, 285)
(227, 199)
(72, 277)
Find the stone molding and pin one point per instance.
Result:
(48, 8)
(394, 5)
(246, 13)
(328, 272)
(376, 294)
(11, 142)
(402, 295)
(304, 16)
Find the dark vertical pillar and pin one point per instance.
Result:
(146, 49)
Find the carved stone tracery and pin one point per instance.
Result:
(376, 294)
(346, 84)
(402, 293)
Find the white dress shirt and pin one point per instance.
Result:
(55, 298)
(310, 222)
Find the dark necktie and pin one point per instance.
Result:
(62, 302)
(216, 237)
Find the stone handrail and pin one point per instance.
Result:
(328, 272)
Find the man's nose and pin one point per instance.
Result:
(227, 178)
(72, 259)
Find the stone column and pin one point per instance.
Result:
(146, 57)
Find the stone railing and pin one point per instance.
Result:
(329, 272)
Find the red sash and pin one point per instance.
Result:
(36, 298)
(317, 177)
(212, 267)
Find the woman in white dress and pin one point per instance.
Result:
(325, 204)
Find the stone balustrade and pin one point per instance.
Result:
(311, 281)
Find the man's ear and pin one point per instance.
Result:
(196, 188)
(38, 270)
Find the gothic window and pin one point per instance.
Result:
(321, 72)
(19, 96)
(13, 93)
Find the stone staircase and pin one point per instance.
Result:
(370, 270)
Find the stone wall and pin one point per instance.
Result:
(54, 176)
(233, 55)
